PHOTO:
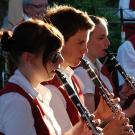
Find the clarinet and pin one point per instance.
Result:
(116, 64)
(115, 108)
(87, 117)
(4, 74)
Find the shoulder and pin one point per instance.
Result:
(16, 114)
(13, 104)
(12, 97)
(125, 46)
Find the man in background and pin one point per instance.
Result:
(21, 10)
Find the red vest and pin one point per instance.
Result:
(129, 28)
(132, 40)
(78, 88)
(71, 109)
(41, 128)
(105, 72)
(132, 4)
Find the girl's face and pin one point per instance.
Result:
(55, 59)
(98, 42)
(46, 72)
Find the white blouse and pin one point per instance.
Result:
(126, 58)
(15, 111)
(87, 84)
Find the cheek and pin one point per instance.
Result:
(47, 67)
(46, 74)
(99, 51)
(95, 49)
(98, 47)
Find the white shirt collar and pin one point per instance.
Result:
(68, 72)
(96, 64)
(19, 79)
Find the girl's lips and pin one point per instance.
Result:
(55, 70)
(81, 56)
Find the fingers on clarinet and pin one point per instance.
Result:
(97, 122)
(128, 130)
(125, 121)
(111, 95)
(92, 116)
(116, 100)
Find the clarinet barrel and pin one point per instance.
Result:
(129, 79)
(86, 116)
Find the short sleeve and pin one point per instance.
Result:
(16, 115)
(126, 58)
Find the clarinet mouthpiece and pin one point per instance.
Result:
(107, 51)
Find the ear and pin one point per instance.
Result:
(27, 57)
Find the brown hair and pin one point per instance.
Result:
(98, 20)
(68, 20)
(32, 36)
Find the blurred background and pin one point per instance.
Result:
(105, 8)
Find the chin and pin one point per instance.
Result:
(51, 77)
(76, 64)
(102, 55)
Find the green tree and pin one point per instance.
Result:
(105, 8)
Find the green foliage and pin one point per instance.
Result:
(3, 9)
(105, 8)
